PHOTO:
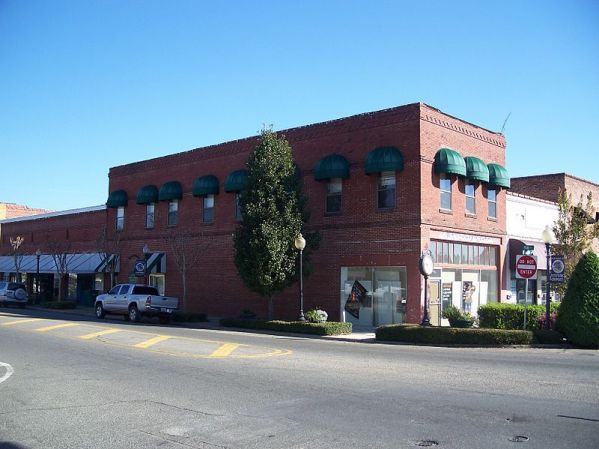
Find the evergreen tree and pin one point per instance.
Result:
(273, 213)
(574, 230)
(578, 315)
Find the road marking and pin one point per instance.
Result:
(30, 320)
(56, 326)
(151, 342)
(225, 350)
(98, 334)
(8, 373)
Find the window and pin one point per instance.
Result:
(492, 202)
(238, 207)
(157, 280)
(445, 186)
(386, 190)
(208, 209)
(120, 218)
(470, 189)
(334, 188)
(150, 216)
(173, 212)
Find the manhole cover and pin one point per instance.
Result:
(427, 443)
(518, 439)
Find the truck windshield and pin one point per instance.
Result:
(143, 290)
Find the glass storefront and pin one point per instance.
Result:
(384, 298)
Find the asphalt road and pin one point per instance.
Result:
(70, 382)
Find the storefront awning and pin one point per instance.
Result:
(515, 249)
(147, 195)
(498, 176)
(156, 263)
(118, 198)
(476, 169)
(236, 181)
(76, 263)
(107, 263)
(171, 190)
(205, 185)
(331, 166)
(450, 162)
(383, 159)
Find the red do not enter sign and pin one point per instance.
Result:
(526, 267)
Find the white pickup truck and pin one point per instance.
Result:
(134, 300)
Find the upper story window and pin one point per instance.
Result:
(492, 202)
(173, 212)
(334, 190)
(120, 218)
(445, 186)
(470, 190)
(386, 190)
(150, 216)
(238, 216)
(208, 209)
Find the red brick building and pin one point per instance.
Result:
(382, 187)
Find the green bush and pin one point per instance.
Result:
(189, 317)
(59, 304)
(316, 316)
(300, 327)
(453, 336)
(453, 313)
(578, 317)
(511, 316)
(548, 337)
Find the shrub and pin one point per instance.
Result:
(59, 304)
(578, 317)
(550, 337)
(316, 316)
(189, 317)
(300, 327)
(511, 316)
(457, 317)
(453, 336)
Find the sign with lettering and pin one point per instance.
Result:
(556, 275)
(526, 267)
(140, 268)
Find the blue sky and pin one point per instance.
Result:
(87, 85)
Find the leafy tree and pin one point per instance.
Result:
(578, 315)
(574, 230)
(273, 213)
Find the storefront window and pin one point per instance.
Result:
(386, 190)
(157, 280)
(445, 187)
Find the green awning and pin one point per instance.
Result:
(498, 176)
(171, 190)
(476, 169)
(383, 159)
(147, 194)
(331, 166)
(450, 162)
(236, 181)
(205, 185)
(118, 198)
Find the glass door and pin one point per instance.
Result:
(434, 288)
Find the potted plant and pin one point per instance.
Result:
(457, 317)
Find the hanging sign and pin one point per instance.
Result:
(355, 299)
(140, 268)
(556, 275)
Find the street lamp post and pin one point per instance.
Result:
(38, 253)
(300, 244)
(548, 238)
(426, 267)
(146, 251)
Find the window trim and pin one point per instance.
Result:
(379, 190)
(473, 196)
(445, 177)
(120, 218)
(172, 213)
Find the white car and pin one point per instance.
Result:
(13, 293)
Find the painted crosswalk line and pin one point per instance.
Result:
(55, 326)
(29, 320)
(99, 334)
(151, 342)
(225, 350)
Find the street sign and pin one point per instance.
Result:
(556, 275)
(140, 268)
(526, 267)
(528, 249)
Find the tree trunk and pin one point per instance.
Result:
(184, 279)
(271, 307)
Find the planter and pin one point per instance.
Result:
(460, 323)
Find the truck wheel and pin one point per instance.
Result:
(134, 314)
(100, 313)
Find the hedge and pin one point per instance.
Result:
(453, 336)
(300, 327)
(511, 316)
(59, 304)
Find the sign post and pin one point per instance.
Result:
(526, 268)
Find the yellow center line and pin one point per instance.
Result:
(56, 326)
(151, 341)
(30, 320)
(98, 334)
(224, 350)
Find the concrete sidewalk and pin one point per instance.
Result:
(359, 335)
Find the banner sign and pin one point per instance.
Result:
(140, 268)
(556, 275)
(355, 299)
